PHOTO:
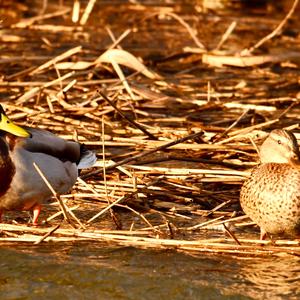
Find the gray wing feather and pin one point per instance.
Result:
(46, 142)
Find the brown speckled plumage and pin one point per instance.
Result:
(271, 195)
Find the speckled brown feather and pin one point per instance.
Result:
(271, 198)
(271, 195)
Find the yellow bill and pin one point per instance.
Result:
(8, 126)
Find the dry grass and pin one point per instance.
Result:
(173, 150)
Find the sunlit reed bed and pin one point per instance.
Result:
(172, 151)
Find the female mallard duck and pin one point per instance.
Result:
(271, 195)
(21, 187)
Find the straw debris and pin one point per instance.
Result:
(175, 134)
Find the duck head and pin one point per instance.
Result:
(280, 147)
(7, 125)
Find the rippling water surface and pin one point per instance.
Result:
(96, 271)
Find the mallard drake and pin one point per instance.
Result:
(21, 187)
(271, 195)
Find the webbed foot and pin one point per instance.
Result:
(36, 212)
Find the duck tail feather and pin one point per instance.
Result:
(87, 159)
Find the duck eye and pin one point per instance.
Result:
(7, 122)
(279, 142)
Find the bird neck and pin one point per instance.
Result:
(295, 164)
(7, 168)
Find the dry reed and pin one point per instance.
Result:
(173, 151)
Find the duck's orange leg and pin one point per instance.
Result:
(36, 212)
(263, 234)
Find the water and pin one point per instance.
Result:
(97, 271)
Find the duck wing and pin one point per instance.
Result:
(43, 141)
